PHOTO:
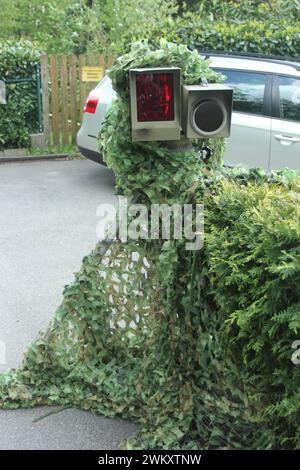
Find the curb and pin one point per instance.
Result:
(29, 158)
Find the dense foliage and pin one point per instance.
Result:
(253, 252)
(278, 38)
(41, 22)
(110, 26)
(18, 118)
(194, 346)
(265, 26)
(255, 26)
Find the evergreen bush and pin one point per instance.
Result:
(19, 117)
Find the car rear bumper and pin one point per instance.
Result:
(91, 155)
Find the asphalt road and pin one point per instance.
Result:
(47, 225)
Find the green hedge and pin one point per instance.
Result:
(253, 36)
(253, 251)
(277, 38)
(18, 118)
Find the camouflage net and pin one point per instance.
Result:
(193, 346)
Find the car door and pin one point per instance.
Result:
(285, 125)
(249, 141)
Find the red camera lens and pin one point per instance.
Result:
(155, 97)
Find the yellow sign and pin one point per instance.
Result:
(91, 74)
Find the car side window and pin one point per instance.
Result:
(289, 98)
(248, 90)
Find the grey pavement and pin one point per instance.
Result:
(47, 225)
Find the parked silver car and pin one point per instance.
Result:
(265, 127)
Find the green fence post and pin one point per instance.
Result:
(38, 95)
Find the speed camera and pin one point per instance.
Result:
(162, 109)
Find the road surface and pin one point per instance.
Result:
(47, 225)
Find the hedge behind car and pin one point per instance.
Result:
(19, 117)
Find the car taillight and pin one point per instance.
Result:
(155, 97)
(91, 105)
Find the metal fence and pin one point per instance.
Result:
(37, 80)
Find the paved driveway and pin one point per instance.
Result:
(47, 224)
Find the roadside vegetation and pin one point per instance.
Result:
(109, 26)
(82, 26)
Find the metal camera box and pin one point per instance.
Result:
(206, 110)
(155, 99)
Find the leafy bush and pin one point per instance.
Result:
(18, 118)
(246, 26)
(253, 251)
(278, 38)
(109, 26)
(253, 26)
(39, 21)
(240, 10)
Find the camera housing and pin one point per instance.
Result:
(155, 103)
(163, 110)
(206, 110)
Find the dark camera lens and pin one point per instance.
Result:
(208, 116)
